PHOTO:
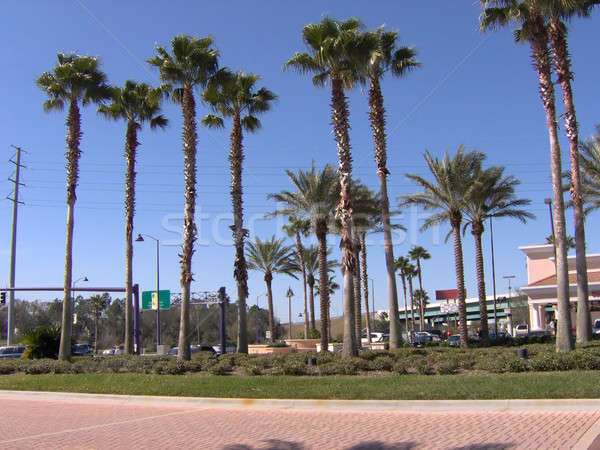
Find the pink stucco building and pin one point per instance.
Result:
(541, 284)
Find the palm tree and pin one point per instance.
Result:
(492, 195)
(403, 265)
(446, 194)
(528, 15)
(410, 272)
(382, 56)
(559, 11)
(589, 159)
(98, 303)
(418, 253)
(311, 260)
(235, 96)
(570, 241)
(332, 286)
(135, 103)
(75, 79)
(298, 228)
(333, 47)
(421, 297)
(271, 257)
(192, 64)
(317, 192)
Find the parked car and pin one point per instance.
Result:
(596, 329)
(427, 336)
(421, 338)
(521, 330)
(12, 351)
(193, 349)
(116, 350)
(501, 335)
(82, 350)
(454, 340)
(437, 333)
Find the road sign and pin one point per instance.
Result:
(149, 299)
(447, 294)
(268, 334)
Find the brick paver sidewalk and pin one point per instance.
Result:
(44, 424)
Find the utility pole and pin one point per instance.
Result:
(10, 337)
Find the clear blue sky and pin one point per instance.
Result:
(473, 89)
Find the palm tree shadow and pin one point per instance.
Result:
(378, 445)
(274, 444)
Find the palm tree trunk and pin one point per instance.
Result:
(421, 302)
(541, 58)
(268, 280)
(412, 308)
(485, 335)
(321, 232)
(344, 210)
(565, 75)
(300, 248)
(357, 299)
(377, 117)
(130, 153)
(460, 284)
(73, 154)
(240, 271)
(189, 224)
(365, 282)
(311, 291)
(405, 305)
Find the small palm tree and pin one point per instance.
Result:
(271, 257)
(403, 266)
(235, 96)
(492, 195)
(421, 297)
(192, 63)
(98, 303)
(333, 49)
(383, 56)
(446, 194)
(296, 229)
(418, 253)
(589, 159)
(528, 15)
(74, 80)
(315, 197)
(410, 272)
(135, 103)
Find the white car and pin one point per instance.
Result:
(521, 330)
(375, 337)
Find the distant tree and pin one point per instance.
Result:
(98, 304)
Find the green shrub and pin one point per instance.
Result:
(423, 368)
(293, 368)
(553, 361)
(370, 355)
(220, 369)
(251, 370)
(42, 342)
(7, 369)
(278, 344)
(44, 366)
(448, 366)
(382, 363)
(400, 368)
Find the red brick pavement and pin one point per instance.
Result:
(43, 424)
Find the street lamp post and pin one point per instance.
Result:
(289, 294)
(509, 313)
(141, 239)
(73, 299)
(493, 277)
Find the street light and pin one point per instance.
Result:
(73, 299)
(509, 313)
(141, 239)
(289, 294)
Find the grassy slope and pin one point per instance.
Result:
(572, 384)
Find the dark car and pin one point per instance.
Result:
(12, 351)
(193, 349)
(82, 350)
(500, 336)
(454, 340)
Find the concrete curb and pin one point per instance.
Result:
(517, 405)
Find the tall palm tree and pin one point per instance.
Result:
(333, 47)
(135, 103)
(446, 193)
(558, 12)
(418, 253)
(98, 303)
(493, 195)
(403, 265)
(332, 286)
(382, 56)
(311, 260)
(192, 63)
(270, 257)
(315, 197)
(296, 229)
(529, 16)
(236, 96)
(421, 297)
(75, 79)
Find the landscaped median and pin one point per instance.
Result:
(406, 373)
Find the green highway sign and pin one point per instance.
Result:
(149, 299)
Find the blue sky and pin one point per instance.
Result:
(473, 89)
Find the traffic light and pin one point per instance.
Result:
(2, 298)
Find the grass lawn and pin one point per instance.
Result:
(571, 384)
